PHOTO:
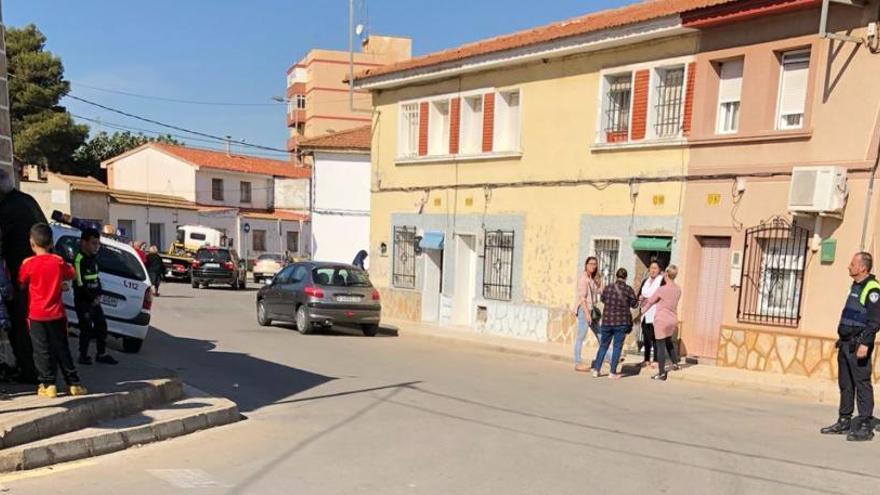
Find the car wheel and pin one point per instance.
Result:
(131, 345)
(370, 330)
(262, 314)
(195, 284)
(303, 323)
(243, 284)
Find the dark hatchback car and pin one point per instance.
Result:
(314, 294)
(216, 265)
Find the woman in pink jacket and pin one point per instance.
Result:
(665, 300)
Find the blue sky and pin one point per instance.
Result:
(238, 50)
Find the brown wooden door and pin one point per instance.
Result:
(713, 281)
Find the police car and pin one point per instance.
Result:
(126, 292)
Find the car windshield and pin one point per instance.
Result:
(271, 257)
(212, 256)
(340, 276)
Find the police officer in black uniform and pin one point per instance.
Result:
(858, 327)
(87, 299)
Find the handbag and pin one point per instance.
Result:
(595, 312)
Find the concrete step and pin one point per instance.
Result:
(27, 418)
(193, 412)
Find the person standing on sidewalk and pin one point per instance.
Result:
(155, 268)
(857, 330)
(664, 303)
(44, 277)
(87, 299)
(588, 315)
(650, 285)
(617, 321)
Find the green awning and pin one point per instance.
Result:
(658, 244)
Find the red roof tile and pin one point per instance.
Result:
(352, 139)
(275, 215)
(232, 162)
(597, 21)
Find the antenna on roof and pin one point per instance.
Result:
(228, 138)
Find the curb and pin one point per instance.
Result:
(37, 456)
(87, 411)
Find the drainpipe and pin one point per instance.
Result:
(870, 193)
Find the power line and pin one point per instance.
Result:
(170, 126)
(175, 100)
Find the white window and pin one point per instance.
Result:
(438, 128)
(729, 95)
(668, 100)
(408, 133)
(471, 129)
(507, 121)
(607, 251)
(793, 89)
(616, 108)
(782, 277)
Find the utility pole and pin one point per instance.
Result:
(351, 55)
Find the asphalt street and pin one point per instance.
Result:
(339, 413)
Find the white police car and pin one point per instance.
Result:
(126, 292)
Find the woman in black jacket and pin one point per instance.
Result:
(155, 268)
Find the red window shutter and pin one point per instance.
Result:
(423, 129)
(689, 99)
(640, 105)
(488, 122)
(454, 125)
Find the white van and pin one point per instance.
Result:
(126, 292)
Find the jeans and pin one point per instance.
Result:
(606, 334)
(52, 351)
(582, 334)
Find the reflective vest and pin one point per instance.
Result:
(87, 285)
(855, 314)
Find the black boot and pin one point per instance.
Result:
(842, 427)
(864, 433)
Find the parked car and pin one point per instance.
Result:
(126, 295)
(267, 265)
(314, 294)
(218, 265)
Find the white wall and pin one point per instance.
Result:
(142, 216)
(261, 189)
(342, 182)
(341, 220)
(276, 236)
(291, 194)
(152, 171)
(338, 238)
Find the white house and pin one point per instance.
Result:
(340, 165)
(150, 218)
(261, 204)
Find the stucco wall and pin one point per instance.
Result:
(261, 189)
(292, 194)
(143, 216)
(152, 171)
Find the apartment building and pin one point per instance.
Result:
(318, 94)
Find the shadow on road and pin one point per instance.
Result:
(341, 331)
(249, 381)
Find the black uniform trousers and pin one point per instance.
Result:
(854, 380)
(51, 351)
(92, 325)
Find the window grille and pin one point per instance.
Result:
(667, 110)
(607, 253)
(498, 265)
(404, 269)
(773, 273)
(409, 130)
(617, 108)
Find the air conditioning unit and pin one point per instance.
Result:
(817, 190)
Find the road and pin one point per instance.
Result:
(338, 413)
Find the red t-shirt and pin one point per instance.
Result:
(43, 275)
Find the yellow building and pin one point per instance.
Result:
(499, 166)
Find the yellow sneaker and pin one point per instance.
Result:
(47, 391)
(78, 390)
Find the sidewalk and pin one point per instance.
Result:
(128, 404)
(817, 390)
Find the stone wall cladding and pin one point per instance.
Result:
(401, 304)
(800, 355)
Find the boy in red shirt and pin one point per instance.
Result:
(43, 276)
